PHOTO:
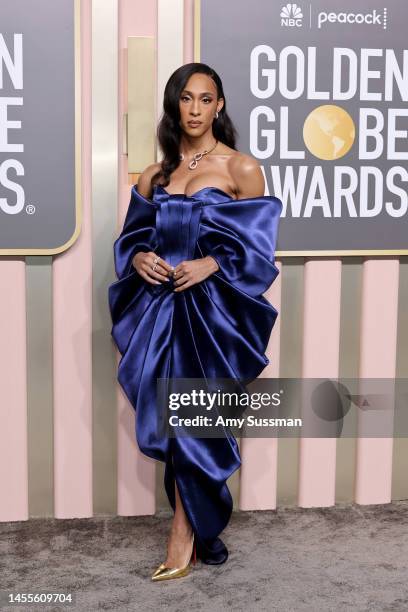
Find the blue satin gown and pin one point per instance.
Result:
(219, 327)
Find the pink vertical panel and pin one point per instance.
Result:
(13, 386)
(260, 455)
(188, 26)
(72, 328)
(378, 350)
(321, 339)
(136, 472)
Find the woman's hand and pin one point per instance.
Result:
(144, 262)
(193, 271)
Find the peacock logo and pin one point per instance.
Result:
(291, 16)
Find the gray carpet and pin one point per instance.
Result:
(346, 557)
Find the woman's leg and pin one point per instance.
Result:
(179, 544)
(204, 494)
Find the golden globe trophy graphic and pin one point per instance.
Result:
(329, 132)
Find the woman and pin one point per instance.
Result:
(194, 257)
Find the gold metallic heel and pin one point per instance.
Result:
(167, 573)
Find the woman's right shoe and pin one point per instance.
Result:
(167, 573)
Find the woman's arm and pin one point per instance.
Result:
(247, 175)
(144, 180)
(144, 261)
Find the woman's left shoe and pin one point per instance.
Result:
(166, 573)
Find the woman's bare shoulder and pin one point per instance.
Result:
(144, 180)
(247, 175)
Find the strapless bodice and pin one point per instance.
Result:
(177, 223)
(214, 193)
(201, 197)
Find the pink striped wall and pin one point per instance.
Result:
(72, 329)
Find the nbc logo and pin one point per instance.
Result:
(291, 16)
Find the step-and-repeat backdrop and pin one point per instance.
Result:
(319, 91)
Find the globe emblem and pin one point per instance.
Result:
(329, 132)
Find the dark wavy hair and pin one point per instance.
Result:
(169, 131)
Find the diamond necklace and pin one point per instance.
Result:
(197, 157)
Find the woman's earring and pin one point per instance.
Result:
(216, 114)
